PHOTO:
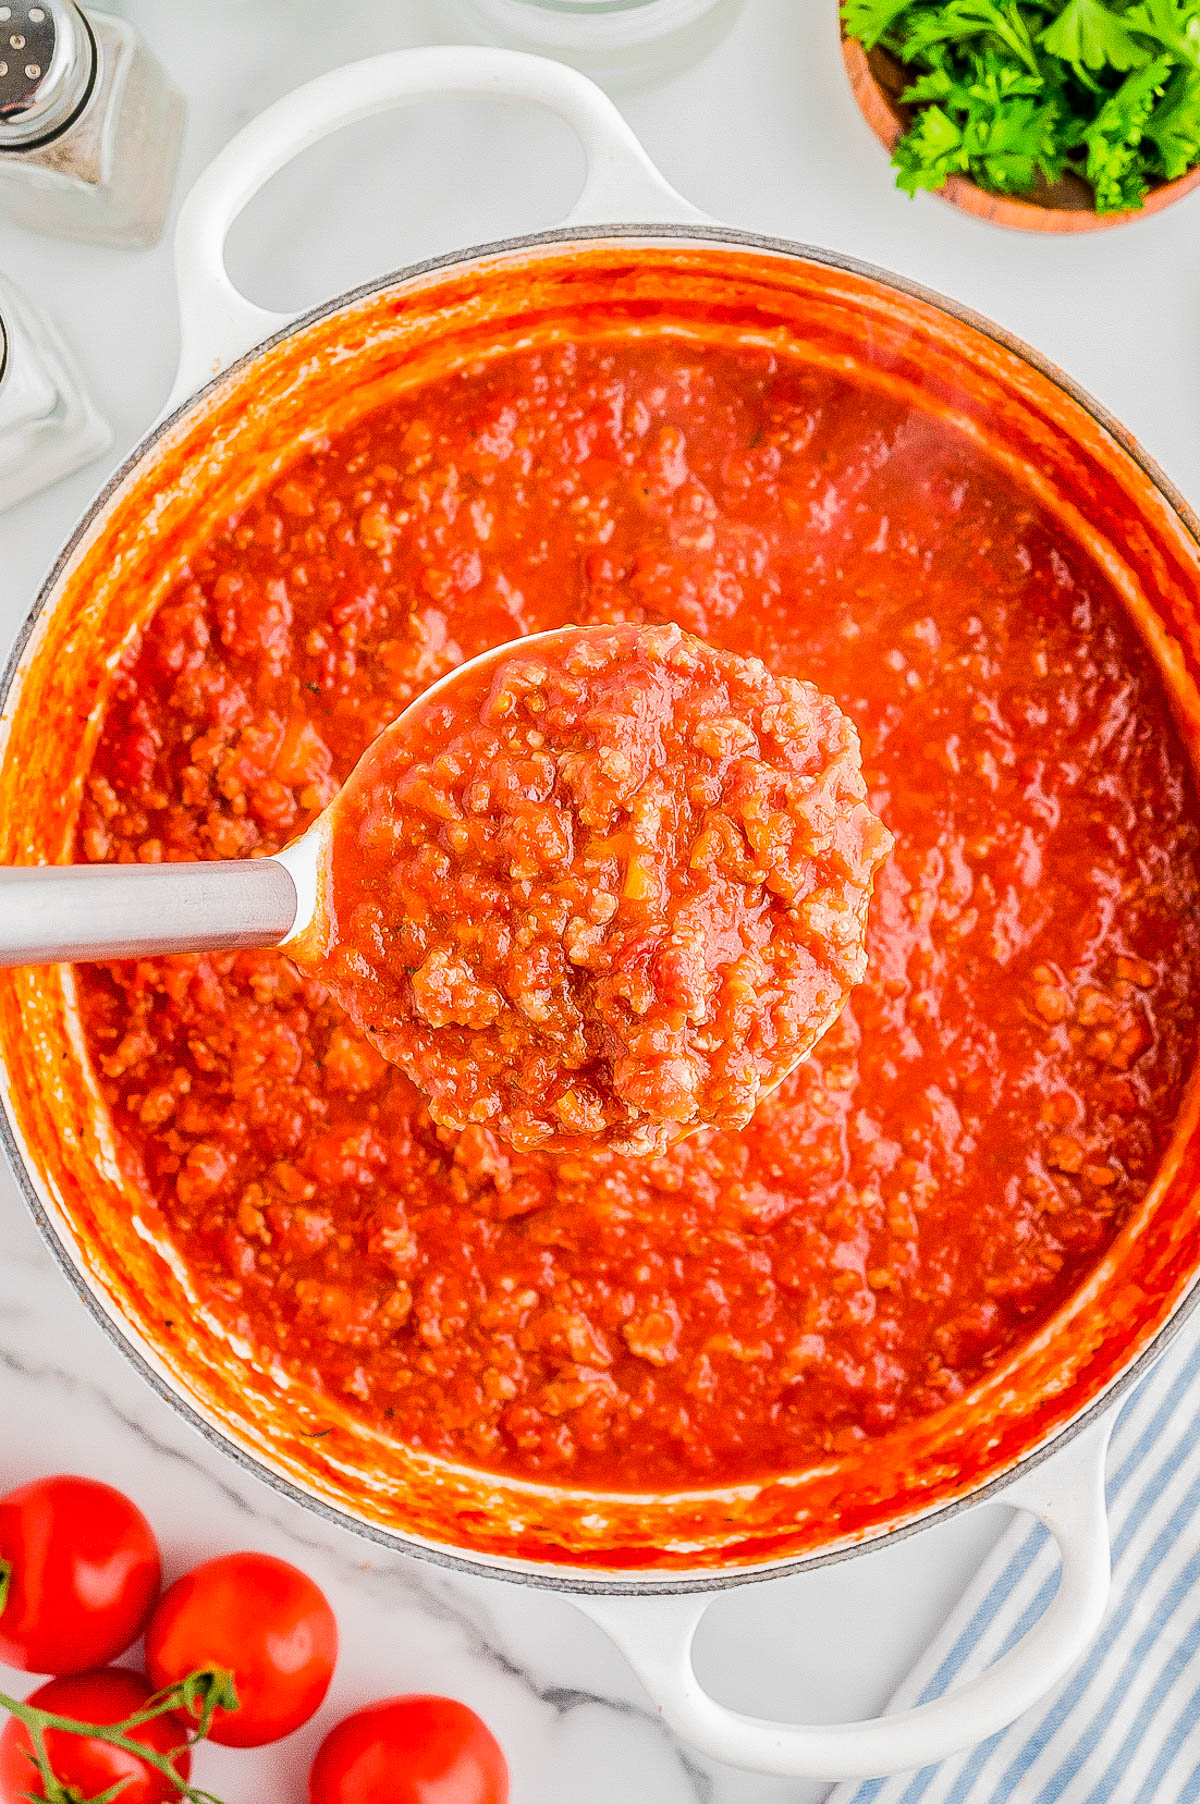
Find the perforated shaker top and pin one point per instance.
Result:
(47, 70)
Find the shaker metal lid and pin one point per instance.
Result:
(48, 61)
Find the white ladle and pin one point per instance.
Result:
(73, 913)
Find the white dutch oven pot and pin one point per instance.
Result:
(652, 1618)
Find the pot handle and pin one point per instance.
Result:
(218, 323)
(656, 1635)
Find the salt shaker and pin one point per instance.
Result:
(90, 125)
(48, 427)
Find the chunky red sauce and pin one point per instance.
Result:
(607, 890)
(987, 1109)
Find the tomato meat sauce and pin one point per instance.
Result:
(603, 892)
(963, 1142)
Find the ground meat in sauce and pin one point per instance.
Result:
(962, 1144)
(609, 890)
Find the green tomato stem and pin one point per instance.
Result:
(211, 1689)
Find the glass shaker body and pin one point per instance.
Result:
(48, 427)
(107, 175)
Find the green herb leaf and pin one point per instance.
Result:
(930, 153)
(870, 20)
(1173, 24)
(935, 84)
(1114, 168)
(1015, 145)
(1174, 126)
(956, 21)
(1086, 35)
(995, 83)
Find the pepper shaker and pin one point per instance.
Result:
(90, 125)
(48, 427)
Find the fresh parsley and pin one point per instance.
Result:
(1017, 94)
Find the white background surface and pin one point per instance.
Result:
(764, 134)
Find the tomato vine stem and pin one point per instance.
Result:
(197, 1698)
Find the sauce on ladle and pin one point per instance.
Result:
(603, 886)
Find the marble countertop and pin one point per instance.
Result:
(764, 135)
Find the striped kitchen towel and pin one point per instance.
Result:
(1125, 1725)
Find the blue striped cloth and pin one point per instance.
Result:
(1125, 1725)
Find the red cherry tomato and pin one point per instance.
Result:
(410, 1750)
(83, 1574)
(259, 1619)
(88, 1768)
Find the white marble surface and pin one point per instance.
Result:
(763, 135)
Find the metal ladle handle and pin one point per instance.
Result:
(70, 913)
(54, 914)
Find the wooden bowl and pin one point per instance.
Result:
(878, 79)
